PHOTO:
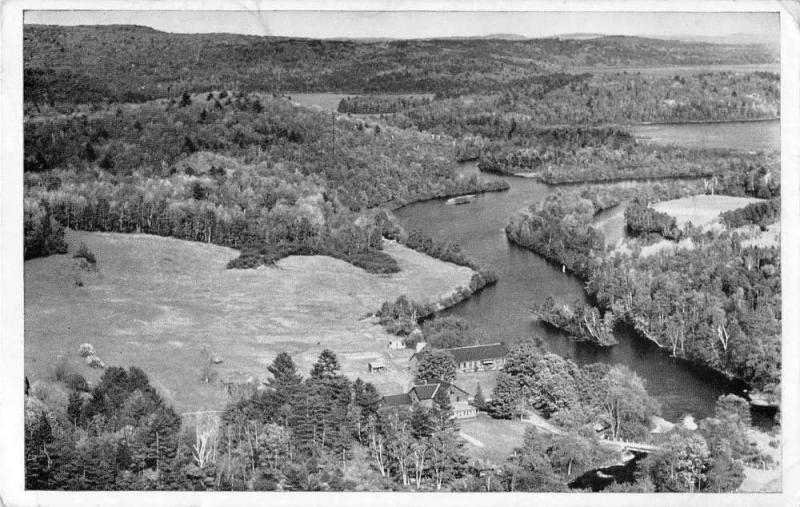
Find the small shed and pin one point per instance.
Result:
(377, 366)
(396, 344)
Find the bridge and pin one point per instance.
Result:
(625, 446)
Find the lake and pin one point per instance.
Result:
(741, 135)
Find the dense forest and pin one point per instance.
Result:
(725, 314)
(246, 171)
(82, 64)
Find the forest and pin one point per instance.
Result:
(246, 171)
(83, 64)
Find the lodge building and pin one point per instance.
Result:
(474, 358)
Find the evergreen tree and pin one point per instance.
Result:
(326, 366)
(479, 401)
(284, 371)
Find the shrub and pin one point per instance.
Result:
(76, 382)
(61, 370)
(84, 253)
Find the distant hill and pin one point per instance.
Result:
(132, 63)
(735, 38)
(580, 36)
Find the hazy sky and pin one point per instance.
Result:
(422, 24)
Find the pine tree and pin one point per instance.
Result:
(479, 401)
(284, 371)
(326, 366)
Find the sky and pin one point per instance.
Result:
(402, 25)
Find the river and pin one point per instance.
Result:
(502, 312)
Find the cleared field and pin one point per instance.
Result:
(702, 209)
(156, 302)
(498, 436)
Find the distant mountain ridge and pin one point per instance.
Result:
(130, 63)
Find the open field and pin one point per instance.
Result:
(498, 436)
(701, 209)
(156, 302)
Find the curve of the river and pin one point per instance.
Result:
(502, 312)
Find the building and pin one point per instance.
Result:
(479, 357)
(475, 357)
(376, 366)
(396, 344)
(425, 394)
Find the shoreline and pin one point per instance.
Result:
(744, 386)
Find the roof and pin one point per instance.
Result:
(377, 364)
(478, 352)
(397, 400)
(428, 391)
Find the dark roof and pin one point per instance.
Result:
(478, 352)
(428, 391)
(396, 400)
(425, 391)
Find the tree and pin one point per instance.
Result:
(478, 401)
(682, 464)
(447, 332)
(626, 404)
(326, 366)
(435, 365)
(283, 370)
(447, 458)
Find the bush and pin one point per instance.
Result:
(84, 253)
(76, 382)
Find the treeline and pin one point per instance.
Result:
(724, 313)
(85, 64)
(275, 184)
(43, 234)
(403, 316)
(758, 213)
(601, 99)
(380, 104)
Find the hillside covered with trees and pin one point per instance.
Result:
(133, 64)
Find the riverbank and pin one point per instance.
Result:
(157, 302)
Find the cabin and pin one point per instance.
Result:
(424, 394)
(476, 357)
(376, 367)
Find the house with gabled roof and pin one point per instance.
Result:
(425, 393)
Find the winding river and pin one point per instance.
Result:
(502, 312)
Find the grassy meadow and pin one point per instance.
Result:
(156, 302)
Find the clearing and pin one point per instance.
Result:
(156, 302)
(702, 209)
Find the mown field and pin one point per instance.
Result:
(702, 209)
(156, 302)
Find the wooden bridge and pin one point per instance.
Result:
(625, 446)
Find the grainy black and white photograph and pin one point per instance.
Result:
(401, 251)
